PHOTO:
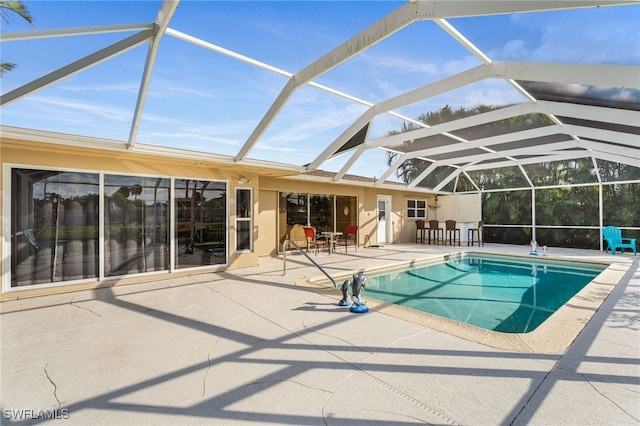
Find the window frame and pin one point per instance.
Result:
(242, 219)
(415, 209)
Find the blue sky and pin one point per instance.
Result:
(208, 102)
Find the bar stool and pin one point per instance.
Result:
(472, 232)
(452, 231)
(420, 231)
(438, 233)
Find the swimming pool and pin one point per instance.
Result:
(508, 295)
(555, 333)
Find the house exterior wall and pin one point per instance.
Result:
(264, 183)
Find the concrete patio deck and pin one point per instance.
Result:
(250, 347)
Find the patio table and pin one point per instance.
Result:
(332, 235)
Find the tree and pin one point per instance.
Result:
(7, 9)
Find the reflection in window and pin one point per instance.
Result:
(316, 210)
(136, 224)
(201, 225)
(243, 219)
(346, 212)
(54, 226)
(292, 210)
(321, 212)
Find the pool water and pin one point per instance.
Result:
(509, 295)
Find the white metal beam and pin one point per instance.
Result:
(487, 142)
(382, 29)
(354, 128)
(627, 76)
(71, 32)
(546, 149)
(617, 158)
(592, 113)
(401, 159)
(75, 67)
(487, 117)
(606, 148)
(450, 9)
(602, 134)
(354, 157)
(441, 86)
(585, 74)
(165, 14)
(501, 114)
(453, 32)
(568, 155)
(423, 175)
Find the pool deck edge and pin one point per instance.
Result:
(554, 335)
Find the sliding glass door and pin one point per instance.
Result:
(201, 223)
(54, 226)
(325, 212)
(136, 218)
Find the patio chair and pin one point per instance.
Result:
(613, 237)
(349, 237)
(473, 232)
(313, 240)
(420, 230)
(436, 231)
(296, 234)
(453, 233)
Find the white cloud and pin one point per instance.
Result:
(75, 110)
(170, 89)
(124, 87)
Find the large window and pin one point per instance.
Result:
(54, 226)
(243, 219)
(136, 218)
(201, 223)
(323, 212)
(68, 226)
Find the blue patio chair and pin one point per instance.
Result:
(613, 237)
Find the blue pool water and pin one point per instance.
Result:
(509, 295)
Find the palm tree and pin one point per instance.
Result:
(17, 7)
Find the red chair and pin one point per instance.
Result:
(349, 237)
(313, 241)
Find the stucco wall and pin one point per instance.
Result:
(266, 226)
(265, 183)
(45, 155)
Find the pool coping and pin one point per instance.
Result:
(555, 334)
